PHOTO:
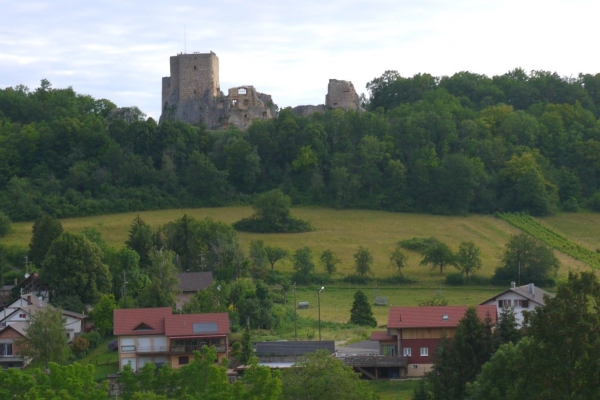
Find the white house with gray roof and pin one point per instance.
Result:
(519, 298)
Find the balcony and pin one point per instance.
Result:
(376, 361)
(152, 349)
(191, 349)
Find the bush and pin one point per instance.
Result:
(356, 279)
(479, 280)
(396, 280)
(290, 225)
(79, 345)
(4, 225)
(419, 245)
(455, 279)
(93, 337)
(315, 279)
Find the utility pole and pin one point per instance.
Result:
(295, 316)
(319, 296)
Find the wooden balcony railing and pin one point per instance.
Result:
(376, 361)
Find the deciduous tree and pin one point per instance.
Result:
(438, 255)
(468, 259)
(398, 259)
(46, 339)
(363, 261)
(45, 230)
(329, 260)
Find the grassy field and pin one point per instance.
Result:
(106, 362)
(394, 390)
(343, 231)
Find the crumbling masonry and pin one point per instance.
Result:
(192, 94)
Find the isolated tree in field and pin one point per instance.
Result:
(103, 314)
(45, 230)
(468, 258)
(361, 313)
(363, 261)
(320, 376)
(438, 255)
(329, 260)
(303, 264)
(398, 259)
(164, 282)
(73, 267)
(140, 240)
(46, 339)
(275, 254)
(536, 262)
(4, 224)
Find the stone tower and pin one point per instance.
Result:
(341, 94)
(191, 94)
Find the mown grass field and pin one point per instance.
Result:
(394, 389)
(343, 231)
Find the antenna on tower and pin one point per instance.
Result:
(184, 41)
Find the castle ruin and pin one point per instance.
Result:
(192, 94)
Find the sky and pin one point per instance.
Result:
(119, 50)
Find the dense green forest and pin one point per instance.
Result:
(452, 145)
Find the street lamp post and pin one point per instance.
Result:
(295, 317)
(319, 297)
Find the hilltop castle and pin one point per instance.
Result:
(193, 94)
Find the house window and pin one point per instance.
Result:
(183, 360)
(522, 303)
(415, 366)
(424, 351)
(407, 352)
(504, 303)
(22, 315)
(6, 349)
(387, 350)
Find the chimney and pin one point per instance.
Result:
(531, 289)
(513, 285)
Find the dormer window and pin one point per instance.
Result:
(143, 327)
(445, 317)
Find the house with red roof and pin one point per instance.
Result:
(415, 332)
(156, 335)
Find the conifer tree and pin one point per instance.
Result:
(361, 313)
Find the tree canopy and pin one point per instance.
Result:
(361, 313)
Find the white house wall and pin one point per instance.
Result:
(518, 311)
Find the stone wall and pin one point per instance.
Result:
(192, 94)
(341, 94)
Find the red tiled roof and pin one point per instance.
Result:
(126, 320)
(381, 336)
(433, 317)
(183, 324)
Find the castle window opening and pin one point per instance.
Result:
(234, 102)
(246, 102)
(195, 67)
(242, 90)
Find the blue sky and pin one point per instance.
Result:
(120, 50)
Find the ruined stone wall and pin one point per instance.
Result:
(246, 104)
(341, 94)
(192, 94)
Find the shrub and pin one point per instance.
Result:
(79, 345)
(594, 202)
(396, 280)
(93, 337)
(419, 245)
(455, 279)
(356, 279)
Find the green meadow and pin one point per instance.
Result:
(343, 231)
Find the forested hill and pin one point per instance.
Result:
(466, 143)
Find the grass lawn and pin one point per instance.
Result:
(106, 362)
(394, 389)
(343, 231)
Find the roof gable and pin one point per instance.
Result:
(127, 320)
(434, 317)
(525, 292)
